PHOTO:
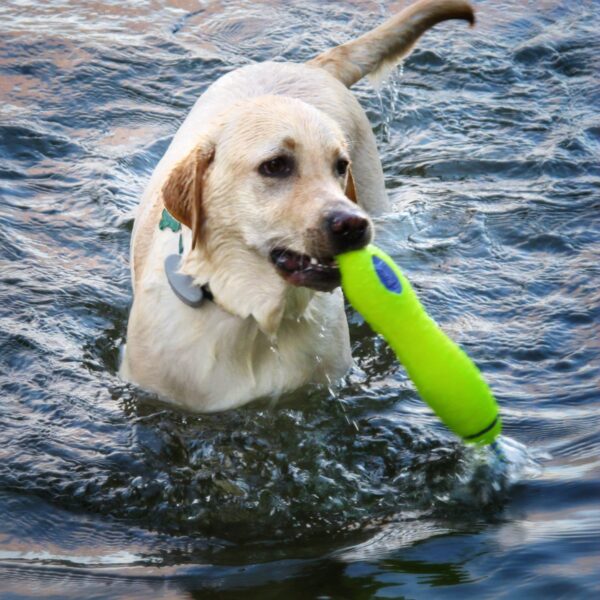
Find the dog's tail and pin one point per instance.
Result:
(384, 46)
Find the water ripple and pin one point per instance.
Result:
(490, 144)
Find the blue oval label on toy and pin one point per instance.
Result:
(387, 276)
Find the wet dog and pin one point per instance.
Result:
(273, 173)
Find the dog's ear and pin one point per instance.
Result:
(350, 190)
(182, 192)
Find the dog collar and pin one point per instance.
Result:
(183, 286)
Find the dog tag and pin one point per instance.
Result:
(182, 285)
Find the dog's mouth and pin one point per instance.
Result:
(321, 274)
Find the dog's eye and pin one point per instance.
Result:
(341, 166)
(282, 166)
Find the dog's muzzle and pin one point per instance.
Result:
(340, 232)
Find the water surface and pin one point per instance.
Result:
(490, 143)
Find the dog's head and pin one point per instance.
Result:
(270, 200)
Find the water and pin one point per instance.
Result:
(490, 145)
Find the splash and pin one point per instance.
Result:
(487, 473)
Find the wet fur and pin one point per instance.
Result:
(260, 336)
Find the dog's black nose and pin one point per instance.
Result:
(348, 231)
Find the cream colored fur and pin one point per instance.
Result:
(260, 336)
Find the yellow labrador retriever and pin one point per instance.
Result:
(273, 173)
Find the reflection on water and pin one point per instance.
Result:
(490, 146)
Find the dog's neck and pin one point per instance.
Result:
(246, 285)
(241, 283)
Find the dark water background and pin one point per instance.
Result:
(490, 143)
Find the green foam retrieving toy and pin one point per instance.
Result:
(445, 377)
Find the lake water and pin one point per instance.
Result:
(490, 140)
